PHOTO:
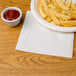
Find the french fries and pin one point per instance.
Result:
(41, 10)
(69, 2)
(51, 6)
(48, 1)
(49, 19)
(56, 5)
(70, 23)
(43, 15)
(73, 16)
(45, 6)
(73, 7)
(63, 1)
(55, 20)
(62, 5)
(69, 12)
(61, 13)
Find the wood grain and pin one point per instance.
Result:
(17, 63)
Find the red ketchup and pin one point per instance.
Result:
(11, 14)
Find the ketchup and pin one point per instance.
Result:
(11, 14)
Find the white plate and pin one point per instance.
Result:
(45, 23)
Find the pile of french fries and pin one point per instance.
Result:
(62, 13)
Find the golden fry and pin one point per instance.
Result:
(55, 20)
(39, 4)
(61, 22)
(63, 1)
(71, 23)
(56, 5)
(41, 11)
(48, 1)
(73, 7)
(67, 12)
(51, 6)
(45, 6)
(69, 2)
(73, 16)
(49, 19)
(61, 5)
(59, 15)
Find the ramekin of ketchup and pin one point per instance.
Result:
(12, 16)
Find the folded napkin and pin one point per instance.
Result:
(37, 39)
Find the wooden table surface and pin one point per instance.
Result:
(18, 63)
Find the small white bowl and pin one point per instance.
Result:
(12, 22)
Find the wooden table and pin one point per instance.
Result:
(18, 63)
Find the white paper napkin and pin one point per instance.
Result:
(37, 39)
